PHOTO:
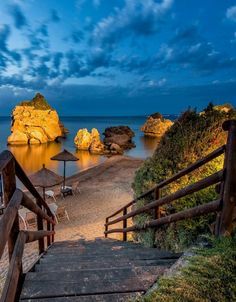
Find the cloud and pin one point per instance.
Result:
(189, 49)
(4, 35)
(96, 3)
(231, 13)
(7, 56)
(18, 16)
(77, 36)
(55, 16)
(136, 17)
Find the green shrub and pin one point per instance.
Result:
(209, 276)
(190, 138)
(38, 102)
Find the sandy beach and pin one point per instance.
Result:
(103, 189)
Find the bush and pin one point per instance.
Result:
(209, 276)
(38, 102)
(190, 138)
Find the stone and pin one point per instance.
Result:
(156, 125)
(84, 140)
(35, 122)
(18, 138)
(116, 148)
(119, 135)
(97, 147)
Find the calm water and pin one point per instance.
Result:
(33, 157)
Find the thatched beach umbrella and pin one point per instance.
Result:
(45, 178)
(64, 156)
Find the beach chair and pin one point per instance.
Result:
(53, 207)
(74, 187)
(50, 193)
(30, 219)
(62, 214)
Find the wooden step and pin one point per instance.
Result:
(119, 297)
(92, 264)
(99, 270)
(116, 255)
(96, 274)
(41, 289)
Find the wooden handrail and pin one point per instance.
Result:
(33, 207)
(197, 186)
(9, 222)
(15, 268)
(175, 177)
(14, 271)
(226, 187)
(186, 214)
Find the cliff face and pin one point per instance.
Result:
(156, 125)
(34, 122)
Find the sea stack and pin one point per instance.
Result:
(35, 122)
(156, 125)
(84, 140)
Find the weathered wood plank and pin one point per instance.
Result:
(96, 274)
(14, 271)
(34, 289)
(119, 297)
(7, 220)
(72, 266)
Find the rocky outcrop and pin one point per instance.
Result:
(84, 140)
(156, 125)
(35, 122)
(119, 135)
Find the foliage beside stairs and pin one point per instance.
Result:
(209, 276)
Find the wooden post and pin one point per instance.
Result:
(106, 227)
(156, 197)
(229, 191)
(40, 227)
(49, 229)
(124, 225)
(9, 187)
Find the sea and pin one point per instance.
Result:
(32, 158)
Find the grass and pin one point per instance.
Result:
(209, 276)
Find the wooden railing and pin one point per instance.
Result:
(225, 181)
(9, 223)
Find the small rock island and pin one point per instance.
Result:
(35, 122)
(156, 125)
(117, 139)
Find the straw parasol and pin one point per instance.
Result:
(64, 156)
(45, 178)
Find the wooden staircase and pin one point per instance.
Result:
(99, 270)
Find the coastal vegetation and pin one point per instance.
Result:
(208, 276)
(191, 137)
(38, 102)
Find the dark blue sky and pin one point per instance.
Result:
(118, 57)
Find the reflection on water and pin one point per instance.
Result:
(150, 143)
(87, 159)
(32, 157)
